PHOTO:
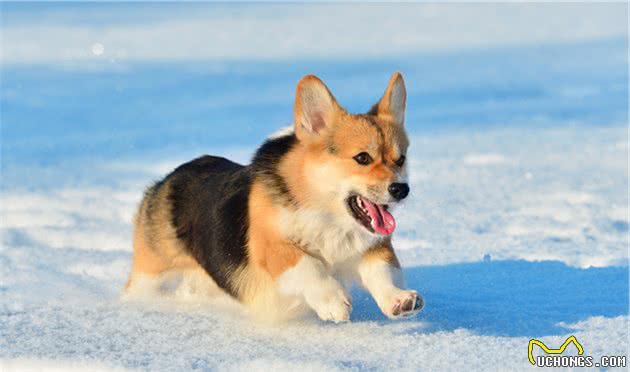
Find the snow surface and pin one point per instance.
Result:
(260, 32)
(509, 235)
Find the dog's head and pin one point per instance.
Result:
(354, 164)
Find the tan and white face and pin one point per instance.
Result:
(354, 164)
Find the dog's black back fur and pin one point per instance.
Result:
(265, 166)
(209, 198)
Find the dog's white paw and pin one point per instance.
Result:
(402, 303)
(333, 305)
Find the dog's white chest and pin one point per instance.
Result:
(321, 235)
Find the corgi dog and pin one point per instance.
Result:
(290, 232)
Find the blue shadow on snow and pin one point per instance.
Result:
(510, 298)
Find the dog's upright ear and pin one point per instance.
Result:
(392, 105)
(315, 108)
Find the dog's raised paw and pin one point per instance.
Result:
(405, 303)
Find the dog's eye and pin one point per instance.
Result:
(363, 158)
(401, 160)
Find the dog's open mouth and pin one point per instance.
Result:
(374, 217)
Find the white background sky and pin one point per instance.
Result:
(284, 31)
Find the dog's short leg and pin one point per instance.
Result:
(323, 293)
(381, 274)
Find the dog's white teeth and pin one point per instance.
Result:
(361, 205)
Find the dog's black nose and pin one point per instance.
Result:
(398, 190)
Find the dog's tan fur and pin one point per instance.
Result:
(382, 252)
(268, 250)
(155, 245)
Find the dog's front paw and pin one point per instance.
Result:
(333, 305)
(402, 303)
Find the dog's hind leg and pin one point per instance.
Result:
(147, 264)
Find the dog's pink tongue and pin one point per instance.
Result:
(382, 221)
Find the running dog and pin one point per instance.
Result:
(291, 231)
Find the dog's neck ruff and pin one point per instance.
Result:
(321, 234)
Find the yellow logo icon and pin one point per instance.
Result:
(560, 350)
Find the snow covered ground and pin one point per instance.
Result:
(509, 235)
(517, 226)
